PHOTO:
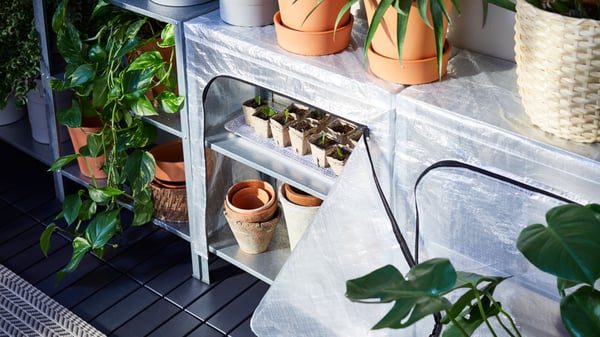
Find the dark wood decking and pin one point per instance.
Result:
(143, 288)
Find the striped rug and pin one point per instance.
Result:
(25, 311)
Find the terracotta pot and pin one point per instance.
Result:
(297, 217)
(312, 43)
(169, 162)
(294, 12)
(88, 166)
(409, 72)
(299, 197)
(253, 237)
(419, 42)
(251, 201)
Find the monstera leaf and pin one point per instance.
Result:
(569, 247)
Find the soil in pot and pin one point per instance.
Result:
(300, 132)
(320, 143)
(280, 128)
(252, 106)
(297, 111)
(318, 118)
(337, 158)
(261, 122)
(340, 129)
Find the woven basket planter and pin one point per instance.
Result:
(170, 202)
(558, 72)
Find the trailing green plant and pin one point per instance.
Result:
(423, 292)
(110, 76)
(20, 52)
(569, 248)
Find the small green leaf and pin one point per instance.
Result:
(70, 117)
(82, 75)
(140, 169)
(62, 161)
(45, 238)
(149, 59)
(143, 107)
(167, 36)
(169, 102)
(103, 194)
(100, 91)
(143, 208)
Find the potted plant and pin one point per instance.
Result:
(568, 247)
(391, 25)
(309, 27)
(19, 59)
(320, 144)
(113, 91)
(557, 66)
(261, 121)
(428, 289)
(251, 106)
(300, 132)
(280, 127)
(319, 118)
(337, 157)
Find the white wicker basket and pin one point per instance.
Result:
(558, 72)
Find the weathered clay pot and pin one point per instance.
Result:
(169, 162)
(299, 210)
(251, 201)
(253, 237)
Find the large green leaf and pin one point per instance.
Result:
(68, 43)
(417, 296)
(62, 161)
(167, 36)
(140, 169)
(143, 208)
(472, 318)
(136, 83)
(569, 247)
(103, 194)
(82, 75)
(80, 247)
(143, 107)
(149, 59)
(102, 228)
(71, 206)
(580, 312)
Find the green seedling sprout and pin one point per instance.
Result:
(286, 112)
(267, 111)
(340, 153)
(258, 100)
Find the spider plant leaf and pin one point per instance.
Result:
(380, 10)
(437, 12)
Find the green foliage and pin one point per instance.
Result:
(19, 52)
(423, 293)
(111, 70)
(267, 112)
(569, 248)
(587, 9)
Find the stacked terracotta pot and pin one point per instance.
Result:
(314, 34)
(252, 213)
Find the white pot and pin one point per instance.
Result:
(38, 119)
(248, 12)
(297, 217)
(11, 112)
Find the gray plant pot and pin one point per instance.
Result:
(38, 119)
(11, 113)
(248, 12)
(179, 3)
